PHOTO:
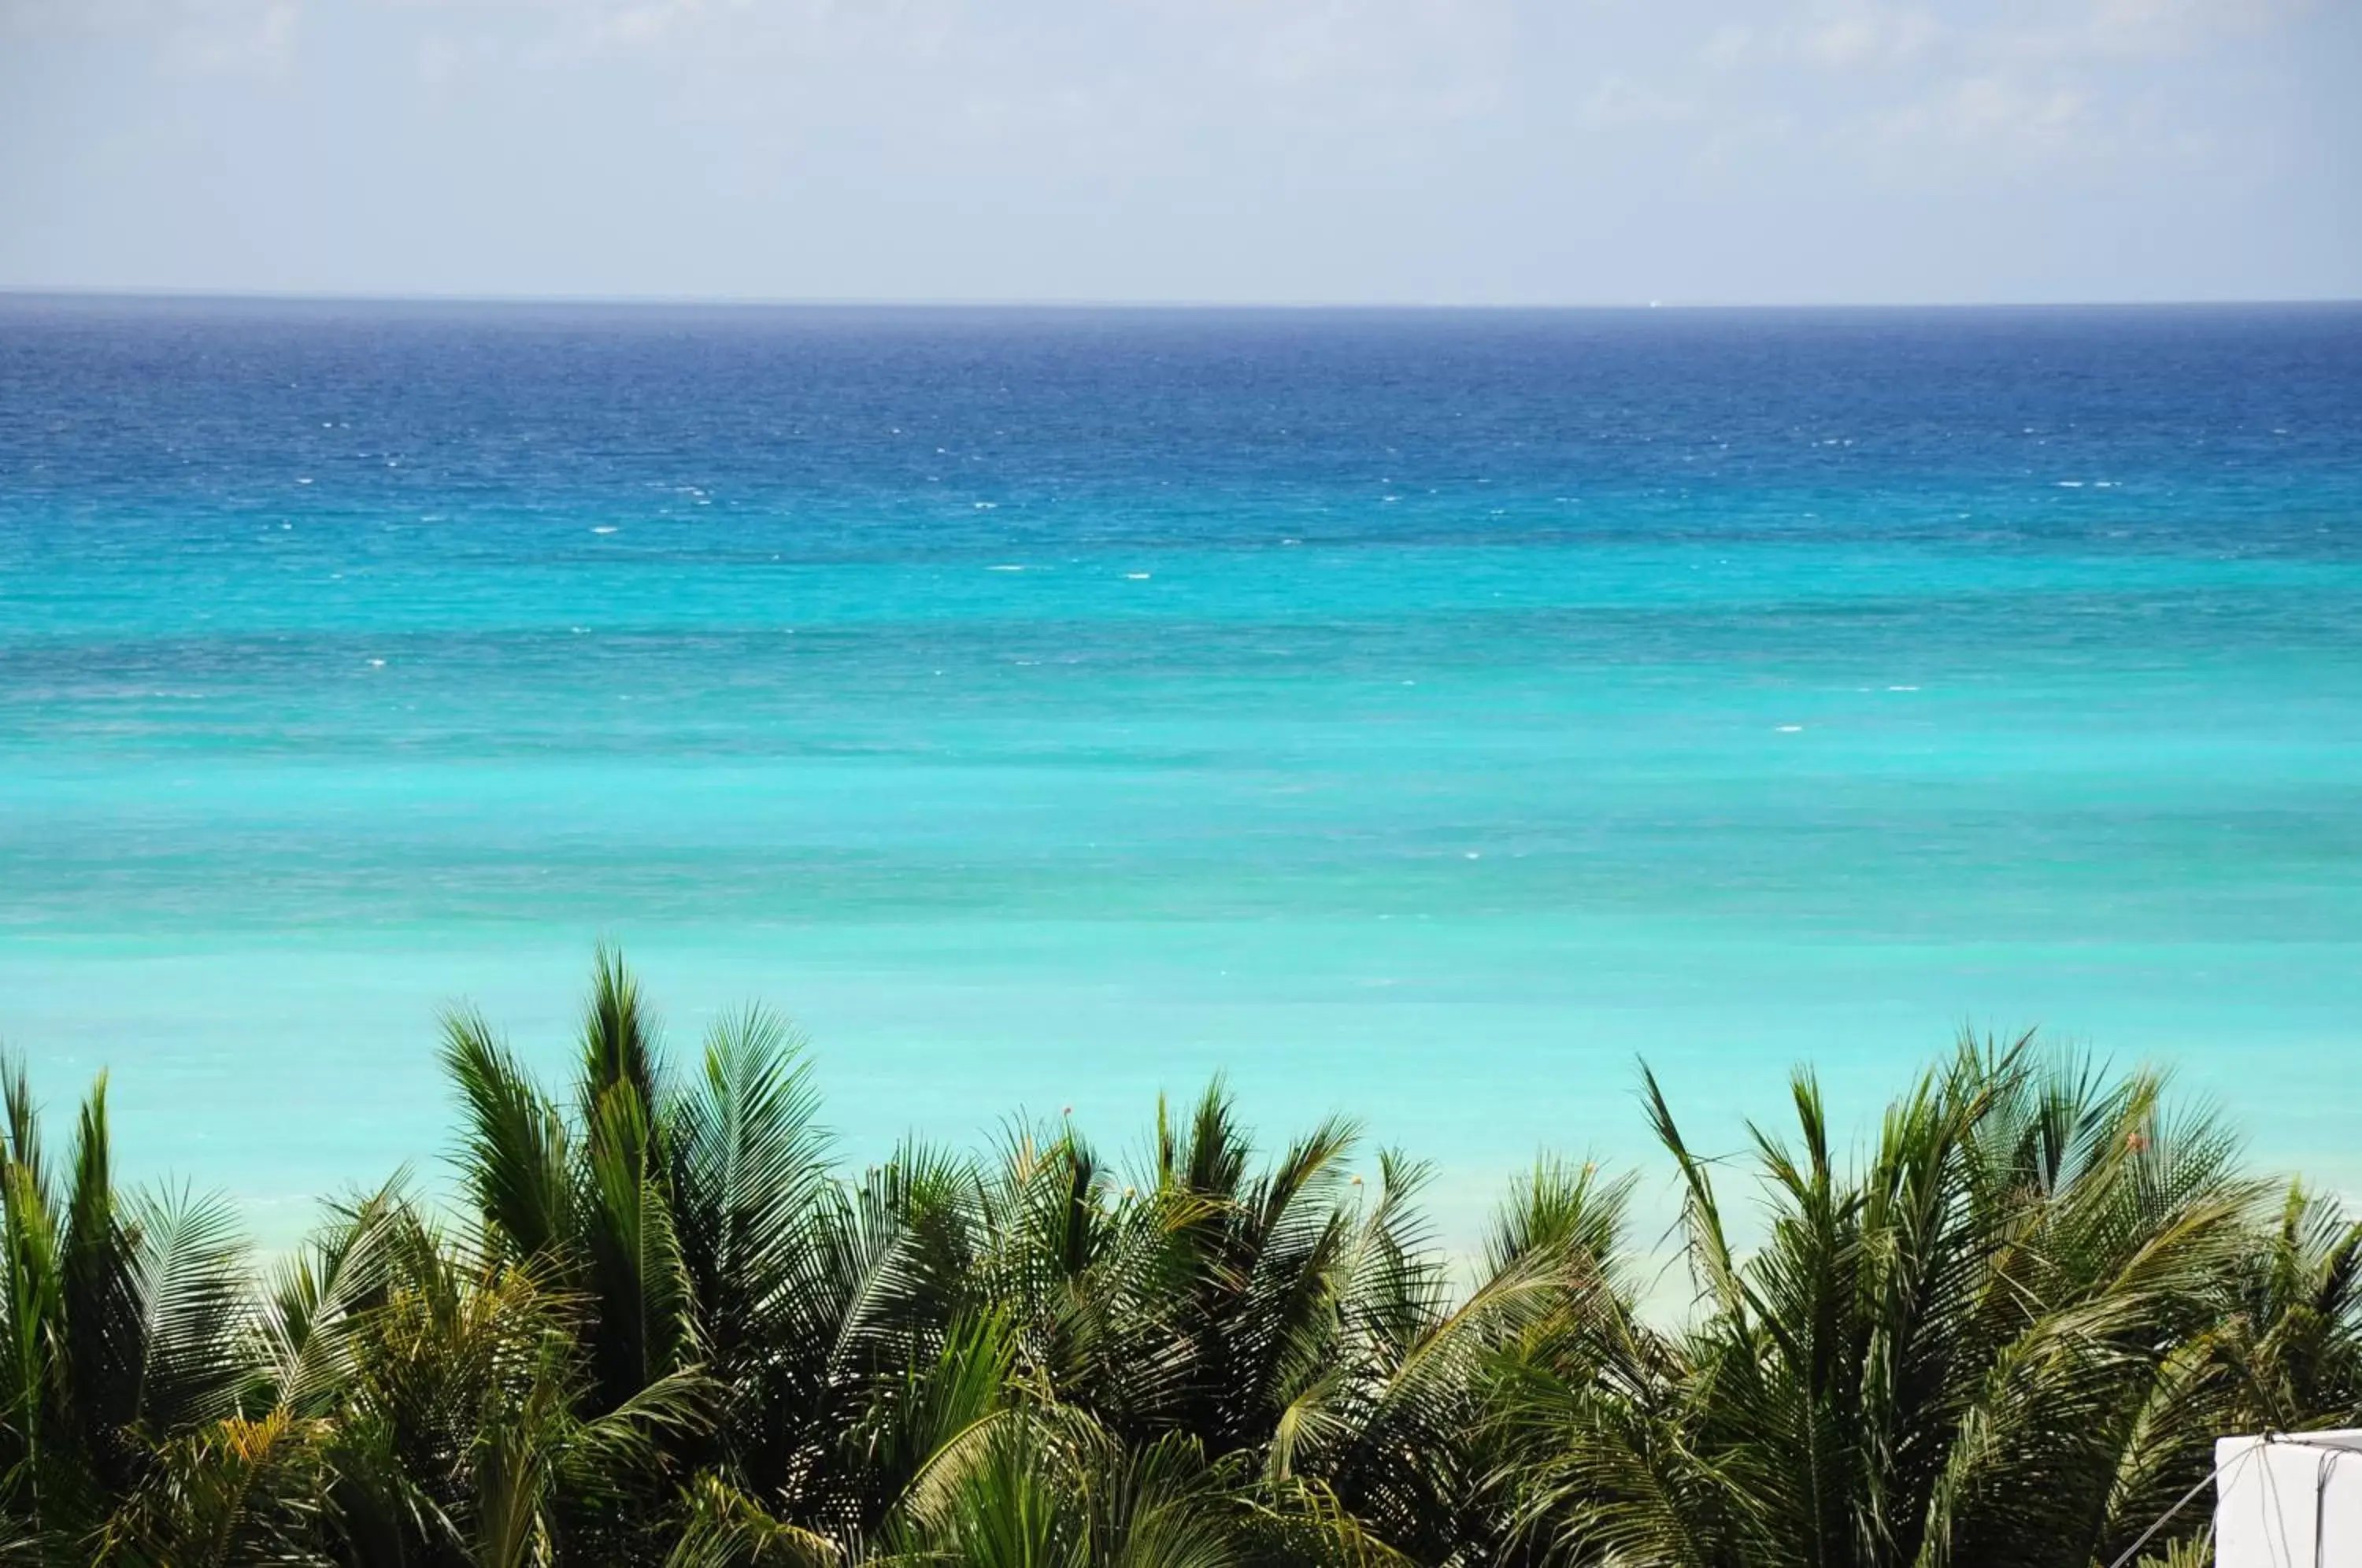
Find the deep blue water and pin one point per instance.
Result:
(1426, 715)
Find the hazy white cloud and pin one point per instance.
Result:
(1856, 36)
(234, 35)
(1620, 101)
(1727, 45)
(1870, 80)
(1350, 149)
(2180, 26)
(1995, 113)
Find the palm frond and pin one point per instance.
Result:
(312, 1313)
(514, 1155)
(619, 1044)
(724, 1527)
(196, 1331)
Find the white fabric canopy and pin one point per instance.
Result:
(2289, 1500)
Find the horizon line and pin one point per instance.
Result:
(759, 302)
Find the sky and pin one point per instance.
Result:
(1286, 151)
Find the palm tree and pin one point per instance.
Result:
(706, 1259)
(2293, 1346)
(657, 1329)
(854, 1342)
(126, 1321)
(1296, 1326)
(1942, 1357)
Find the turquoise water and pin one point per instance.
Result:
(1428, 716)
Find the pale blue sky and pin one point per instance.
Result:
(1483, 151)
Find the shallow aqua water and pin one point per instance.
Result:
(1423, 715)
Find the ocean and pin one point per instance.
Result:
(1431, 716)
